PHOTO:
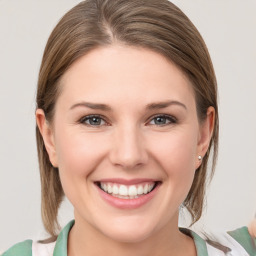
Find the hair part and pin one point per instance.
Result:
(157, 25)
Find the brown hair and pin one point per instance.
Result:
(154, 24)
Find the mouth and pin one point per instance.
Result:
(128, 192)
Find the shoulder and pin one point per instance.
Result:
(234, 243)
(35, 248)
(30, 248)
(243, 237)
(20, 249)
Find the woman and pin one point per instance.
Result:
(127, 117)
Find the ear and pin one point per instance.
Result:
(205, 133)
(48, 136)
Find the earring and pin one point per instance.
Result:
(200, 158)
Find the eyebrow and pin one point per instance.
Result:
(97, 106)
(151, 106)
(165, 104)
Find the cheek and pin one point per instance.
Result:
(176, 148)
(78, 153)
(176, 154)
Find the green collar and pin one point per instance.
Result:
(200, 243)
(243, 237)
(62, 241)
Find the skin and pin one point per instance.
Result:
(252, 228)
(127, 143)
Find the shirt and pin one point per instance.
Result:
(235, 243)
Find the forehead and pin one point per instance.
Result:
(121, 73)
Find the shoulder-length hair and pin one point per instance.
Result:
(153, 24)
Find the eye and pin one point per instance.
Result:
(93, 120)
(162, 120)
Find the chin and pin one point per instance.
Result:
(129, 231)
(128, 236)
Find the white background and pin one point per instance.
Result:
(229, 29)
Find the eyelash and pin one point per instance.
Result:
(90, 117)
(170, 120)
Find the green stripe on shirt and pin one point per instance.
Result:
(242, 236)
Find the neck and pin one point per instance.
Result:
(86, 240)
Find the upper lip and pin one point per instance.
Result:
(126, 181)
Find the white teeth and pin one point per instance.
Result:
(132, 191)
(109, 189)
(123, 190)
(115, 189)
(127, 192)
(140, 190)
(125, 197)
(145, 190)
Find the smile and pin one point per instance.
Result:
(127, 192)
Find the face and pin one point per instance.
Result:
(126, 140)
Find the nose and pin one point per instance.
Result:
(128, 149)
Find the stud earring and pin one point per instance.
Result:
(200, 158)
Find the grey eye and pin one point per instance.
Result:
(162, 120)
(93, 121)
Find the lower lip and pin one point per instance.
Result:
(128, 203)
